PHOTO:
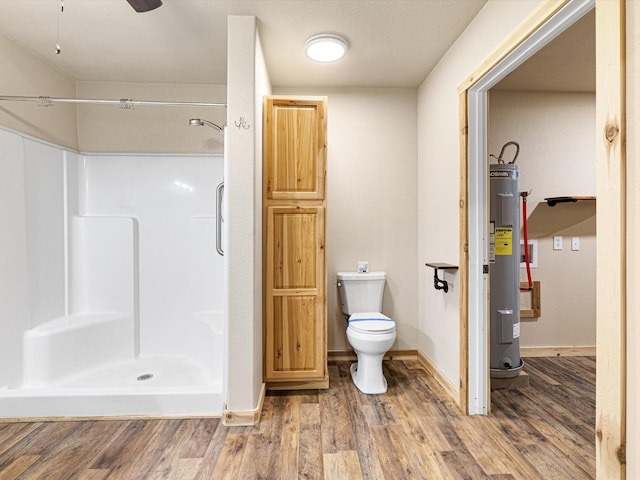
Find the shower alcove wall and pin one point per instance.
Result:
(121, 286)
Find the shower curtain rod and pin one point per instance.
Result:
(125, 103)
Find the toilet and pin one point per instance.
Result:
(370, 333)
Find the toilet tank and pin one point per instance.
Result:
(361, 292)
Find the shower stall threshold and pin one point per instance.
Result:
(155, 386)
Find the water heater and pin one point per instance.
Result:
(504, 271)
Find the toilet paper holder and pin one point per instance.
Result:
(440, 284)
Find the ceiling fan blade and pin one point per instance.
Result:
(144, 5)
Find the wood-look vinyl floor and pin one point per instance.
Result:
(544, 431)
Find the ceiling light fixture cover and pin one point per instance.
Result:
(325, 47)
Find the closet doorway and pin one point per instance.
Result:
(545, 23)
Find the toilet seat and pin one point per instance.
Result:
(371, 323)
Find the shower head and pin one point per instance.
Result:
(198, 122)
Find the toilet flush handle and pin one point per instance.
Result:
(339, 283)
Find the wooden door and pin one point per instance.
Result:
(295, 289)
(295, 326)
(294, 149)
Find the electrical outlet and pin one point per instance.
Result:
(557, 242)
(575, 243)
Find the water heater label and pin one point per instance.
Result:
(504, 241)
(492, 242)
(503, 174)
(516, 330)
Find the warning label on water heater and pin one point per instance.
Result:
(504, 240)
(492, 242)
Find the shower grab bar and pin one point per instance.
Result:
(219, 220)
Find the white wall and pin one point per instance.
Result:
(150, 129)
(557, 158)
(106, 128)
(248, 83)
(262, 87)
(372, 199)
(24, 74)
(438, 177)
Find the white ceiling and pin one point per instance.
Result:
(568, 63)
(393, 43)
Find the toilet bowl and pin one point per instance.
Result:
(370, 333)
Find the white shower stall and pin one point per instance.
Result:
(112, 289)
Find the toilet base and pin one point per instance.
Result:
(369, 378)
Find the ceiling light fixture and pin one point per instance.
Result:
(325, 48)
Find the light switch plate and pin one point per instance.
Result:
(575, 243)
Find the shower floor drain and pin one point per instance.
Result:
(146, 376)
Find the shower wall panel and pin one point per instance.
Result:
(108, 269)
(45, 230)
(102, 265)
(170, 201)
(205, 292)
(14, 306)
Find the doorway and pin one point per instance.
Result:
(476, 340)
(547, 106)
(546, 23)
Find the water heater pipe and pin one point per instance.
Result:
(527, 260)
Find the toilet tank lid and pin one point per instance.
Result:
(361, 276)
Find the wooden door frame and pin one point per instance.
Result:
(548, 20)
